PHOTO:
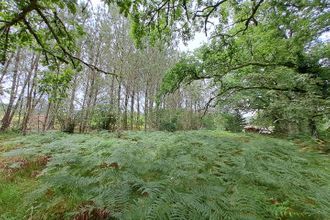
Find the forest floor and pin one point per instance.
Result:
(160, 175)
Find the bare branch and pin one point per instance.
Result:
(206, 16)
(246, 20)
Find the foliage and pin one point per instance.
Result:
(185, 175)
(184, 71)
(56, 84)
(209, 121)
(20, 25)
(180, 119)
(169, 125)
(277, 65)
(104, 118)
(233, 122)
(69, 127)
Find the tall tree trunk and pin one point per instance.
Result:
(29, 100)
(46, 117)
(146, 107)
(125, 124)
(51, 122)
(83, 108)
(92, 107)
(69, 123)
(118, 104)
(93, 83)
(132, 110)
(20, 113)
(192, 126)
(52, 116)
(6, 118)
(138, 111)
(112, 98)
(150, 111)
(5, 68)
(89, 102)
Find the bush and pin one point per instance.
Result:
(234, 122)
(170, 126)
(69, 127)
(104, 118)
(208, 122)
(179, 119)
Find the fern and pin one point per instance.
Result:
(187, 175)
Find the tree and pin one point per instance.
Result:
(275, 65)
(41, 23)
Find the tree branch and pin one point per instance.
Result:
(246, 20)
(45, 50)
(20, 16)
(206, 16)
(64, 50)
(242, 88)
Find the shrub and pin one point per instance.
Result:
(170, 126)
(69, 127)
(104, 118)
(234, 122)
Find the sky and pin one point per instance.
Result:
(198, 41)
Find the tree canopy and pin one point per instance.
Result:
(32, 20)
(278, 64)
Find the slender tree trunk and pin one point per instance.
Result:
(92, 107)
(146, 108)
(150, 111)
(69, 122)
(89, 103)
(138, 111)
(46, 117)
(125, 124)
(192, 126)
(89, 107)
(29, 100)
(72, 97)
(5, 68)
(112, 98)
(20, 114)
(6, 118)
(118, 104)
(132, 110)
(51, 123)
(81, 129)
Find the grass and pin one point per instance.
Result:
(158, 175)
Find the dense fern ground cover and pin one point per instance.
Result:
(157, 175)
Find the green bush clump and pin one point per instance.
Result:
(233, 122)
(182, 175)
(170, 126)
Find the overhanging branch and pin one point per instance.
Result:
(242, 88)
(20, 18)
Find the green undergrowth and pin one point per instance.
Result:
(159, 175)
